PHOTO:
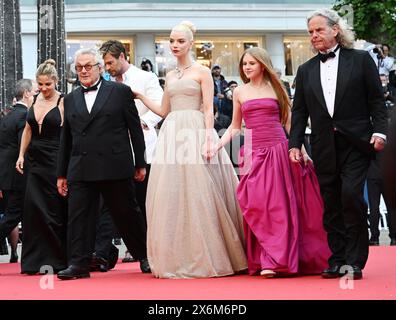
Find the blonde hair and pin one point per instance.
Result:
(47, 68)
(187, 27)
(269, 75)
(345, 36)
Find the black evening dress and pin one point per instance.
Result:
(45, 217)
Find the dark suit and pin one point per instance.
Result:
(375, 188)
(389, 170)
(11, 182)
(96, 158)
(340, 146)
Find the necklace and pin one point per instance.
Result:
(180, 72)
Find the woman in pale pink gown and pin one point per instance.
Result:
(194, 223)
(280, 201)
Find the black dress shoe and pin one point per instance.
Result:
(13, 257)
(374, 242)
(73, 272)
(144, 266)
(113, 257)
(331, 272)
(354, 272)
(98, 264)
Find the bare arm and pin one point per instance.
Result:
(235, 126)
(61, 182)
(288, 122)
(161, 109)
(209, 148)
(153, 90)
(61, 110)
(207, 98)
(296, 153)
(25, 141)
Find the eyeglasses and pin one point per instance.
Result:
(87, 67)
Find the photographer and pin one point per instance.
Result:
(226, 103)
(383, 60)
(389, 94)
(220, 84)
(147, 65)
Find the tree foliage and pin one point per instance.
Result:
(373, 20)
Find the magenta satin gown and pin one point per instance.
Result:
(280, 201)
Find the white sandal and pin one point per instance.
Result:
(267, 273)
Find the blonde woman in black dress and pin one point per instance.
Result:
(44, 220)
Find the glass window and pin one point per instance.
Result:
(210, 50)
(297, 51)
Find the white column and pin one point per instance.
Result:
(274, 46)
(145, 48)
(29, 55)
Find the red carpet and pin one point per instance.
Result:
(127, 282)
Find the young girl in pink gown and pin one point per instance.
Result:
(280, 201)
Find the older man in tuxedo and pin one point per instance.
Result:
(116, 63)
(339, 89)
(120, 70)
(12, 184)
(101, 123)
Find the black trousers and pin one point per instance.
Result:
(105, 229)
(119, 197)
(345, 211)
(375, 187)
(13, 205)
(141, 192)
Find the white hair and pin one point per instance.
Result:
(91, 51)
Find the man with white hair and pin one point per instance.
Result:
(101, 123)
(339, 89)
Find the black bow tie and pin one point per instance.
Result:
(93, 88)
(324, 56)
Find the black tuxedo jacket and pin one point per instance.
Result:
(97, 146)
(359, 108)
(11, 128)
(389, 167)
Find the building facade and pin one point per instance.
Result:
(225, 28)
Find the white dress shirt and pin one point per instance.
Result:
(328, 79)
(146, 83)
(20, 102)
(90, 96)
